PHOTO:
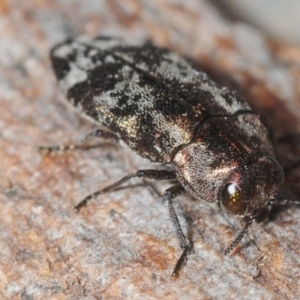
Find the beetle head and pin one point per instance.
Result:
(251, 187)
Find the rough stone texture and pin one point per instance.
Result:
(280, 18)
(122, 246)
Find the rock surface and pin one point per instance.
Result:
(123, 245)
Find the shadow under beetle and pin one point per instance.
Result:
(170, 112)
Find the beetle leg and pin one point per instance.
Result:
(239, 237)
(185, 245)
(99, 133)
(146, 174)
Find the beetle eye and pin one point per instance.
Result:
(232, 200)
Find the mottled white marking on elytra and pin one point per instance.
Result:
(105, 99)
(105, 44)
(93, 52)
(109, 59)
(74, 76)
(217, 94)
(63, 51)
(85, 63)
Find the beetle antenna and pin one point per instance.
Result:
(239, 237)
(283, 202)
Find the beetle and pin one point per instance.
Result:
(171, 112)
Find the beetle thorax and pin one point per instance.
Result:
(231, 165)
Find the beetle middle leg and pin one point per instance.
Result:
(146, 174)
(99, 133)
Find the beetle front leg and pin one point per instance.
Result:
(184, 243)
(99, 133)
